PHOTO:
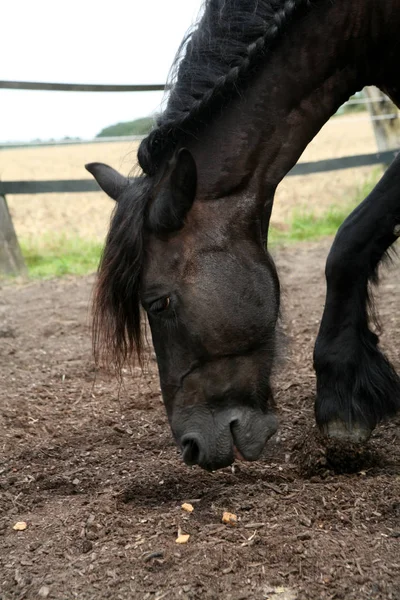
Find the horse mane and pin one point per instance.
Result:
(213, 62)
(117, 327)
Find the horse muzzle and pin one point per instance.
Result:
(213, 438)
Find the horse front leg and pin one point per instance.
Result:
(357, 387)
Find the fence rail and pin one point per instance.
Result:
(100, 87)
(87, 185)
(80, 87)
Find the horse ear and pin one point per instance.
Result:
(176, 194)
(110, 181)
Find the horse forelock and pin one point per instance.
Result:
(117, 315)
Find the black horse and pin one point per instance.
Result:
(255, 81)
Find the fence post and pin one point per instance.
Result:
(11, 260)
(387, 130)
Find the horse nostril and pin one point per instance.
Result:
(191, 450)
(233, 423)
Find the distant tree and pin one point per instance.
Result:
(137, 127)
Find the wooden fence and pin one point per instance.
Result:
(11, 260)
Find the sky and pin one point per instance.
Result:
(85, 41)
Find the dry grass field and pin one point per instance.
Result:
(87, 215)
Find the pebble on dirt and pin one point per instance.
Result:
(229, 518)
(183, 538)
(187, 507)
(20, 526)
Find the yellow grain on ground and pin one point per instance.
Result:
(88, 214)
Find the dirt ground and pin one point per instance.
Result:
(87, 215)
(93, 471)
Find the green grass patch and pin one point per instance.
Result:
(306, 225)
(55, 256)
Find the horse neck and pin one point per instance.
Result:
(324, 57)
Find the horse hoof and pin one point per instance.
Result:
(342, 432)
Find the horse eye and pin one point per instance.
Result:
(160, 305)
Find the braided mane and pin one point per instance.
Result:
(214, 60)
